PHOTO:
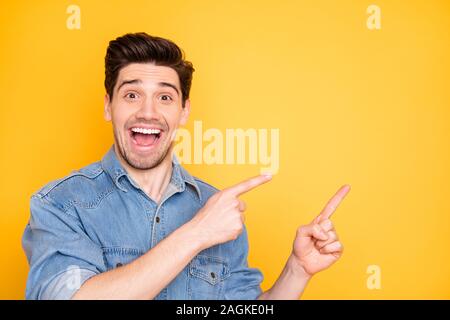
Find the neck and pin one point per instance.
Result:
(153, 181)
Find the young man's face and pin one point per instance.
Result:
(145, 111)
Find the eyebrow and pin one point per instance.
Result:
(138, 81)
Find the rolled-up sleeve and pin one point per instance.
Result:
(60, 254)
(244, 282)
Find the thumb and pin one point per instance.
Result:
(313, 230)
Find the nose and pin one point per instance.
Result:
(148, 110)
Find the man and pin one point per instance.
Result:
(136, 225)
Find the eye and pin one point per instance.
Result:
(166, 97)
(131, 95)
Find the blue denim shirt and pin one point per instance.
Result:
(97, 219)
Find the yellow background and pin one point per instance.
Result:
(353, 105)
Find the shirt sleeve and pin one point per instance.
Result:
(244, 282)
(60, 254)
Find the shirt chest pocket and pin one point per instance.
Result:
(206, 277)
(115, 257)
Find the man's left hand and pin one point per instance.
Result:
(317, 246)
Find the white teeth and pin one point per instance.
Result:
(146, 131)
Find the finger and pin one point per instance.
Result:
(242, 206)
(243, 218)
(313, 231)
(333, 203)
(332, 237)
(327, 225)
(332, 247)
(235, 204)
(248, 185)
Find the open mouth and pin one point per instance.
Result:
(145, 137)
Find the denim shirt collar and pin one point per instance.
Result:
(179, 178)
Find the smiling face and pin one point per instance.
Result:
(145, 111)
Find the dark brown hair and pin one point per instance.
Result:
(142, 48)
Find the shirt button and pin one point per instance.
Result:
(213, 275)
(118, 265)
(157, 219)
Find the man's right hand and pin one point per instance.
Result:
(222, 217)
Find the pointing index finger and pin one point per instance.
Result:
(333, 203)
(248, 184)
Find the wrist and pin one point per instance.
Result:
(296, 268)
(194, 236)
(290, 284)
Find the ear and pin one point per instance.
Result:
(185, 112)
(107, 109)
